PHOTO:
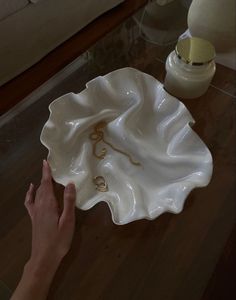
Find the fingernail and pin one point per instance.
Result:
(30, 186)
(70, 185)
(44, 162)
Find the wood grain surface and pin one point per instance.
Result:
(189, 256)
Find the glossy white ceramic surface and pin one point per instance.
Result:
(143, 121)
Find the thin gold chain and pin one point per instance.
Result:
(97, 136)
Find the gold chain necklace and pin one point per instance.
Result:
(98, 136)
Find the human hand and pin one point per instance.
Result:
(52, 232)
(52, 235)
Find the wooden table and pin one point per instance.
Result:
(186, 256)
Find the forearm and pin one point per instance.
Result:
(35, 282)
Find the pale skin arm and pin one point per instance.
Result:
(52, 235)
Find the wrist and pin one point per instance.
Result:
(36, 281)
(41, 270)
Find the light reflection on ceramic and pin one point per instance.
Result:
(144, 122)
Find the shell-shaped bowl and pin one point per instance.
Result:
(126, 141)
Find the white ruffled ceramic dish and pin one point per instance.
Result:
(124, 140)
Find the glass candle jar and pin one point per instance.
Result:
(190, 68)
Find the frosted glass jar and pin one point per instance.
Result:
(189, 77)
